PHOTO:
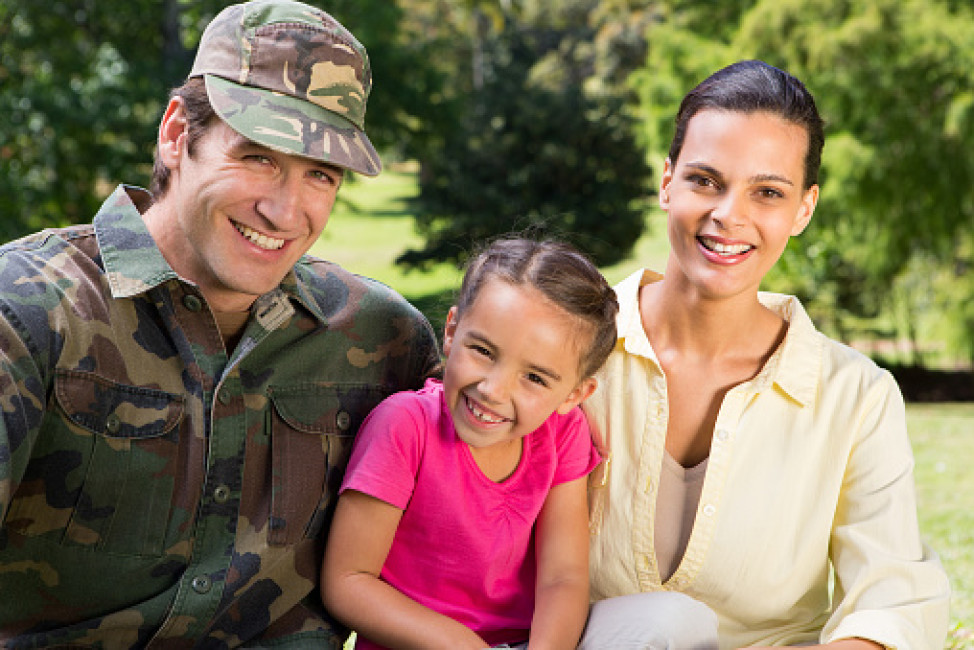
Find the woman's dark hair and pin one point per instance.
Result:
(561, 274)
(755, 86)
(199, 115)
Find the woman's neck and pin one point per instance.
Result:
(676, 318)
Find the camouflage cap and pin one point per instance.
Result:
(289, 76)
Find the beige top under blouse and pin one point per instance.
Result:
(676, 508)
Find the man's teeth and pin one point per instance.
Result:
(481, 415)
(725, 249)
(263, 241)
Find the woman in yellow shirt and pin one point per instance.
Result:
(753, 463)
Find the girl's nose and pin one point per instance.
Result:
(495, 387)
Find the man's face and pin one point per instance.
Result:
(238, 215)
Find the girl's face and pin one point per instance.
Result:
(734, 198)
(512, 361)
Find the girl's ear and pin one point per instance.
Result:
(173, 131)
(580, 393)
(450, 329)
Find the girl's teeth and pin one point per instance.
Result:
(480, 415)
(263, 241)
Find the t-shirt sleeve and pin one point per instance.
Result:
(387, 451)
(577, 455)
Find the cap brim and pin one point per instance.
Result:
(292, 125)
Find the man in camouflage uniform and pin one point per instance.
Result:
(180, 384)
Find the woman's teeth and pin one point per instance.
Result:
(256, 238)
(724, 249)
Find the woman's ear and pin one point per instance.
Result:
(450, 329)
(664, 184)
(173, 133)
(805, 211)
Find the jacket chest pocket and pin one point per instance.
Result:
(312, 431)
(101, 476)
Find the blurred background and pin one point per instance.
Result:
(553, 117)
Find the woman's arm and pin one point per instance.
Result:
(358, 544)
(561, 593)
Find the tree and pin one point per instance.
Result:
(533, 151)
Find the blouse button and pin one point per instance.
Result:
(723, 435)
(192, 303)
(709, 510)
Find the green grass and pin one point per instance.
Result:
(943, 443)
(371, 225)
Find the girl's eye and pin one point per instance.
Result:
(537, 379)
(481, 350)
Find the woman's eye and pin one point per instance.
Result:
(770, 193)
(258, 158)
(701, 181)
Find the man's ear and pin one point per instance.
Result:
(173, 133)
(578, 395)
(450, 329)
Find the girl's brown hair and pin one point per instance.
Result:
(561, 274)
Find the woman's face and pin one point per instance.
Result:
(734, 197)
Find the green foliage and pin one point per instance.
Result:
(534, 152)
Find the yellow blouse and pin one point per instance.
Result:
(809, 478)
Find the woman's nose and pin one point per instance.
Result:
(731, 210)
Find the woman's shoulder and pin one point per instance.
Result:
(839, 366)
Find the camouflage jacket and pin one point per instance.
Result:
(154, 492)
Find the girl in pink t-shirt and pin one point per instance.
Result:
(462, 521)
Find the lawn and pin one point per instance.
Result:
(371, 225)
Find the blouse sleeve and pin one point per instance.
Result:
(890, 587)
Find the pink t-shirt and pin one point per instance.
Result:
(465, 545)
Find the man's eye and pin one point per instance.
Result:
(770, 193)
